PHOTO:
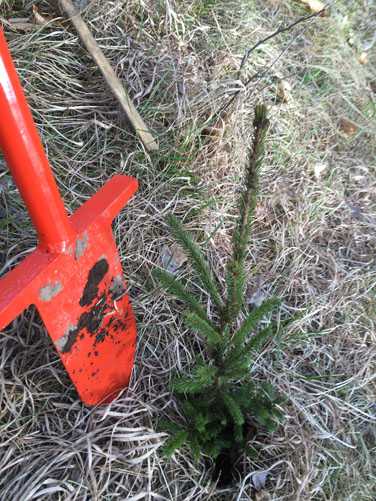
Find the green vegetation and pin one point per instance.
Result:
(220, 401)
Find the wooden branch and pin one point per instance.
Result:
(109, 75)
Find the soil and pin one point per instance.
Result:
(224, 471)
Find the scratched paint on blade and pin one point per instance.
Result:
(117, 288)
(49, 291)
(95, 276)
(81, 245)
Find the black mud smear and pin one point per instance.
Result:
(101, 336)
(115, 324)
(91, 322)
(71, 339)
(96, 275)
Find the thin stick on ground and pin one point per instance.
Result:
(109, 75)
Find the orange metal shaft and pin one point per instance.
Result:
(23, 151)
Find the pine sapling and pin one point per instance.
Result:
(219, 399)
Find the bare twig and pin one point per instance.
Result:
(280, 30)
(261, 74)
(256, 76)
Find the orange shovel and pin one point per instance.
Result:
(74, 276)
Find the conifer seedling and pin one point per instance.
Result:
(219, 399)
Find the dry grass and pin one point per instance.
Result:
(314, 242)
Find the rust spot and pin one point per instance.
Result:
(96, 275)
(49, 291)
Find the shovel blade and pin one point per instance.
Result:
(88, 315)
(89, 318)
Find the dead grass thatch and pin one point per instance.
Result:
(314, 240)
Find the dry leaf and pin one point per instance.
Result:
(283, 91)
(363, 58)
(347, 126)
(259, 479)
(314, 6)
(319, 169)
(257, 298)
(38, 18)
(172, 258)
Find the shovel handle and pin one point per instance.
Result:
(27, 161)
